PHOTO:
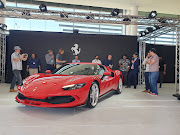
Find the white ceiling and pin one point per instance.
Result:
(161, 6)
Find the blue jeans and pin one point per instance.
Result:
(153, 78)
(16, 78)
(147, 80)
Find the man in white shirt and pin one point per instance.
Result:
(146, 74)
(96, 60)
(16, 60)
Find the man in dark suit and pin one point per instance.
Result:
(134, 69)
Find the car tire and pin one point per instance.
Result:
(93, 95)
(120, 84)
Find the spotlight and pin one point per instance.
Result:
(1, 5)
(75, 31)
(115, 12)
(25, 12)
(3, 26)
(149, 30)
(155, 28)
(43, 8)
(142, 33)
(126, 19)
(162, 20)
(90, 16)
(62, 15)
(152, 14)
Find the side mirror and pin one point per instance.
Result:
(48, 71)
(107, 74)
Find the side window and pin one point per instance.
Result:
(101, 70)
(112, 74)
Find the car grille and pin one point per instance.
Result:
(51, 100)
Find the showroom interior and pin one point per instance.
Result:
(89, 28)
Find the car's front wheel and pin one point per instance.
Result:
(120, 84)
(93, 95)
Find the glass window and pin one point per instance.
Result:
(80, 69)
(38, 25)
(21, 24)
(61, 26)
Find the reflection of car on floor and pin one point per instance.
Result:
(72, 85)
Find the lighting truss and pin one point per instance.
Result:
(157, 33)
(142, 43)
(177, 64)
(81, 17)
(2, 56)
(142, 50)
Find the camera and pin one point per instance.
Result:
(25, 55)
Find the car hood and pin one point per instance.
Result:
(51, 83)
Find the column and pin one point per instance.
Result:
(128, 27)
(134, 11)
(2, 20)
(132, 29)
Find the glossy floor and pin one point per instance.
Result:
(131, 113)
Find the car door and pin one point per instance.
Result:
(106, 82)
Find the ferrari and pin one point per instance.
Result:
(73, 84)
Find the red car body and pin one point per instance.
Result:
(45, 90)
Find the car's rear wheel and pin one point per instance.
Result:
(93, 95)
(120, 84)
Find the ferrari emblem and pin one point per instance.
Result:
(76, 49)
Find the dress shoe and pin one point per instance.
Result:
(127, 87)
(13, 90)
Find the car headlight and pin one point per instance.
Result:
(24, 81)
(73, 86)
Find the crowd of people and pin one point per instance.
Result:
(154, 67)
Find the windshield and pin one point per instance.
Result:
(81, 69)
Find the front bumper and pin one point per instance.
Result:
(53, 101)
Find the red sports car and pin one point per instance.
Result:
(72, 85)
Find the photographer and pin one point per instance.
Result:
(16, 60)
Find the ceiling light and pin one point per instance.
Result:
(162, 20)
(3, 26)
(152, 14)
(115, 12)
(142, 33)
(155, 28)
(25, 12)
(149, 30)
(126, 19)
(62, 15)
(75, 31)
(43, 8)
(90, 16)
